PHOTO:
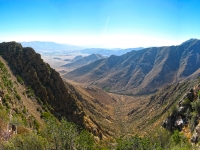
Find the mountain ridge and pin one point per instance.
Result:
(142, 71)
(49, 88)
(79, 61)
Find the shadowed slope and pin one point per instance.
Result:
(142, 71)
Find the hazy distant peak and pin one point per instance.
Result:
(52, 46)
(97, 55)
(80, 61)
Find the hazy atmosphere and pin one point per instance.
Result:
(100, 23)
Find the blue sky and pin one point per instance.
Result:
(101, 23)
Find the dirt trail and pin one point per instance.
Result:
(28, 103)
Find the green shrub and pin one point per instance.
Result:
(17, 96)
(29, 141)
(7, 97)
(39, 101)
(18, 119)
(36, 125)
(193, 121)
(24, 110)
(30, 92)
(1, 65)
(106, 88)
(19, 79)
(196, 106)
(4, 115)
(46, 115)
(186, 102)
(174, 109)
(85, 140)
(199, 94)
(176, 137)
(179, 142)
(136, 142)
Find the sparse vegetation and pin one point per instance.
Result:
(61, 136)
(174, 109)
(19, 79)
(136, 142)
(186, 102)
(196, 106)
(107, 88)
(18, 97)
(30, 92)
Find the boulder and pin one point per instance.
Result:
(182, 110)
(196, 135)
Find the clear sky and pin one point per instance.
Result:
(104, 23)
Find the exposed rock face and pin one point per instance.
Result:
(196, 135)
(144, 71)
(178, 118)
(186, 113)
(45, 81)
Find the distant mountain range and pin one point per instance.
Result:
(143, 71)
(108, 52)
(52, 47)
(80, 61)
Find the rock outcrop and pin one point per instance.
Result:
(186, 114)
(46, 83)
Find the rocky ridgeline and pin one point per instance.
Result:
(186, 114)
(142, 72)
(46, 83)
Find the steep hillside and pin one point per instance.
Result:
(23, 99)
(76, 63)
(142, 71)
(19, 111)
(99, 106)
(50, 90)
